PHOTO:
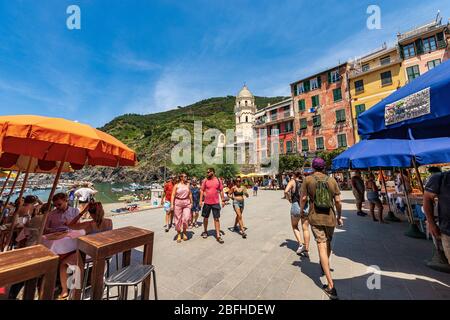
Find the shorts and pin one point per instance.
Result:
(207, 208)
(167, 206)
(196, 207)
(238, 204)
(322, 233)
(373, 197)
(295, 210)
(446, 245)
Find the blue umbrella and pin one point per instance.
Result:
(422, 106)
(388, 153)
(385, 153)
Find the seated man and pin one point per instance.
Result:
(59, 218)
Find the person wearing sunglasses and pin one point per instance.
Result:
(181, 205)
(237, 193)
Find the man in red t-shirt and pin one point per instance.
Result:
(165, 202)
(209, 201)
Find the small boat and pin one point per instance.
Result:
(116, 189)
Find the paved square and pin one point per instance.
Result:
(265, 266)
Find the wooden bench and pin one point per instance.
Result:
(103, 245)
(27, 265)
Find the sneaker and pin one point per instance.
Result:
(166, 228)
(300, 249)
(304, 254)
(331, 293)
(360, 213)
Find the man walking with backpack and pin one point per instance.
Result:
(324, 195)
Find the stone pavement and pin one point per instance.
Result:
(265, 265)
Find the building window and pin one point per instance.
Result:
(245, 102)
(246, 118)
(409, 51)
(433, 64)
(386, 78)
(305, 145)
(340, 116)
(301, 105)
(289, 126)
(320, 143)
(359, 86)
(317, 121)
(334, 76)
(301, 88)
(314, 84)
(288, 146)
(360, 108)
(413, 72)
(273, 115)
(303, 124)
(365, 67)
(342, 140)
(429, 44)
(385, 60)
(337, 94)
(287, 111)
(315, 101)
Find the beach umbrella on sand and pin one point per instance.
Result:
(64, 141)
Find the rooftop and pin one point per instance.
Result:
(435, 25)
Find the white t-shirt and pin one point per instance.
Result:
(84, 194)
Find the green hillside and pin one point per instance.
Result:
(149, 135)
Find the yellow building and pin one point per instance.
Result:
(373, 78)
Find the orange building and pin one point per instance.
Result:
(323, 116)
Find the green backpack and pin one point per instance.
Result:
(323, 201)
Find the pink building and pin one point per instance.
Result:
(423, 48)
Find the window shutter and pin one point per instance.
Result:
(319, 81)
(440, 40)
(419, 46)
(329, 77)
(402, 54)
(306, 86)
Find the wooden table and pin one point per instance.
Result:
(103, 245)
(27, 265)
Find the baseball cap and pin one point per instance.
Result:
(318, 163)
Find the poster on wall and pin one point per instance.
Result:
(410, 107)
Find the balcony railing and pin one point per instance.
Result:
(358, 70)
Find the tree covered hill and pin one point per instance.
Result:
(150, 135)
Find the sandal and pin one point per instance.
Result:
(205, 235)
(63, 297)
(243, 234)
(220, 240)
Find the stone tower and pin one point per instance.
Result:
(244, 110)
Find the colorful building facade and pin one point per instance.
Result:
(423, 48)
(322, 108)
(274, 118)
(373, 78)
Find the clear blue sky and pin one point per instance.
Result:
(151, 55)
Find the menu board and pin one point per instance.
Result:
(410, 107)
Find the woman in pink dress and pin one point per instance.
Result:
(181, 205)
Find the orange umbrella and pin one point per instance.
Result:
(15, 162)
(50, 138)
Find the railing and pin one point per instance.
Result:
(359, 71)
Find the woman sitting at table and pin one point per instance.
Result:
(96, 225)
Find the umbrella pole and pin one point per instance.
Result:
(391, 216)
(50, 197)
(6, 182)
(413, 231)
(418, 175)
(11, 191)
(16, 212)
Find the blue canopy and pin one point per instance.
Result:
(375, 154)
(422, 106)
(388, 153)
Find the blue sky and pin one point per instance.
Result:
(145, 56)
